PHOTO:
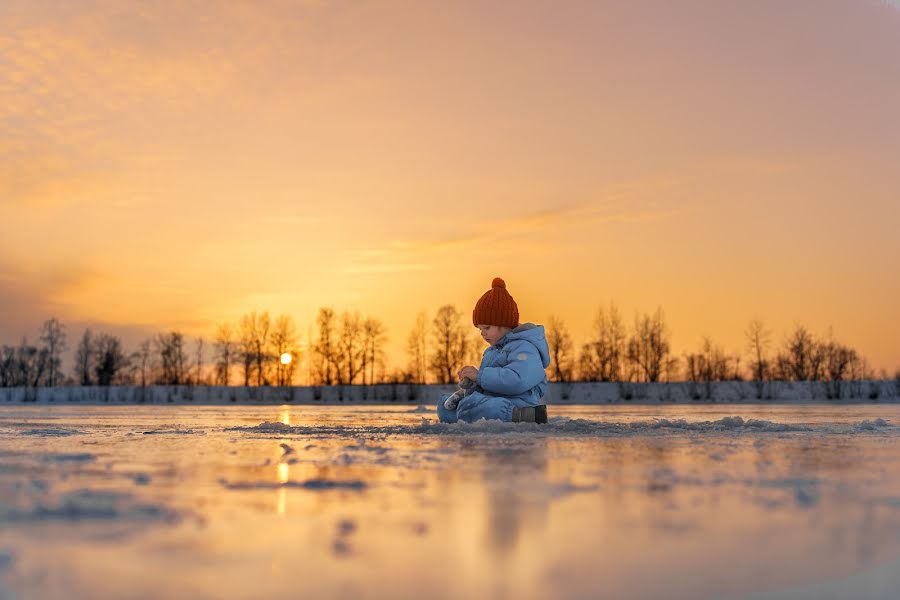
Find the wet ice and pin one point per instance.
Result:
(720, 504)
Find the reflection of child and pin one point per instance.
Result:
(510, 382)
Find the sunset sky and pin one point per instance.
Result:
(169, 164)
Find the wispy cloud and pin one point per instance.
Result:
(536, 231)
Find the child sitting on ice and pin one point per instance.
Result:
(511, 382)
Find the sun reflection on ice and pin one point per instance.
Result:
(283, 477)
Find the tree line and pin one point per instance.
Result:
(349, 349)
(643, 353)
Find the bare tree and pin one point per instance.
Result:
(260, 342)
(53, 335)
(24, 365)
(758, 339)
(839, 364)
(284, 341)
(708, 365)
(374, 337)
(84, 354)
(451, 344)
(141, 361)
(560, 342)
(649, 346)
(173, 359)
(7, 366)
(602, 358)
(797, 357)
(224, 348)
(325, 349)
(198, 365)
(350, 348)
(417, 349)
(110, 360)
(254, 336)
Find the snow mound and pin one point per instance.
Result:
(265, 427)
(565, 427)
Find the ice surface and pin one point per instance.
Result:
(671, 502)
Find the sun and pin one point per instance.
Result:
(286, 358)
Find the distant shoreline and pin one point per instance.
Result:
(560, 394)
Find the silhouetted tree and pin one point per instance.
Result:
(350, 348)
(7, 366)
(374, 337)
(710, 364)
(23, 365)
(649, 346)
(254, 338)
(417, 349)
(325, 349)
(84, 359)
(110, 360)
(796, 358)
(198, 364)
(451, 346)
(758, 338)
(53, 336)
(141, 361)
(283, 340)
(172, 358)
(839, 364)
(560, 343)
(224, 348)
(602, 358)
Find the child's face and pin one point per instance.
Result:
(492, 333)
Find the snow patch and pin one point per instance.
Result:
(173, 432)
(309, 484)
(363, 447)
(87, 504)
(6, 560)
(80, 457)
(50, 432)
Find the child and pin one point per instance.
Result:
(510, 383)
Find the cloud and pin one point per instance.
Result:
(536, 231)
(30, 296)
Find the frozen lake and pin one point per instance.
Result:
(381, 502)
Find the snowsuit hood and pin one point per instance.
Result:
(533, 334)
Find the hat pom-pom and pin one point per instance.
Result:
(498, 283)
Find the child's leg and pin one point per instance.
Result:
(477, 406)
(445, 415)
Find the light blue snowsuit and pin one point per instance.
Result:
(511, 375)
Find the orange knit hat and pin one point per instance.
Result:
(496, 307)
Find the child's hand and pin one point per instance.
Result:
(468, 371)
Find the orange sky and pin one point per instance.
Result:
(166, 164)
